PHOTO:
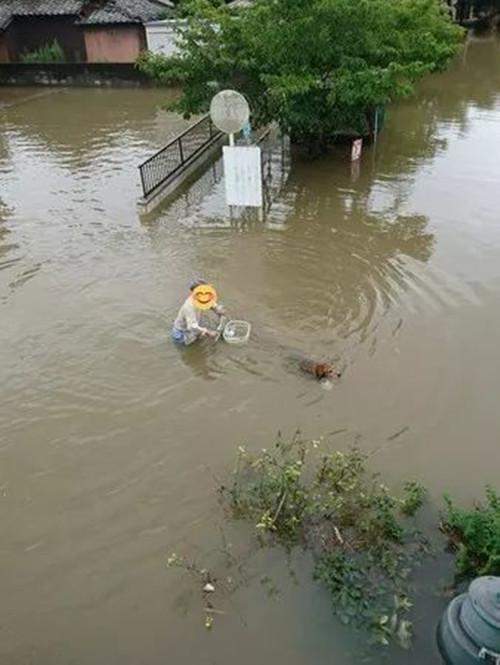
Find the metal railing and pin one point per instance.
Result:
(173, 158)
(265, 144)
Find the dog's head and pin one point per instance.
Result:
(325, 371)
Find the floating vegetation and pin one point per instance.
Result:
(205, 580)
(362, 537)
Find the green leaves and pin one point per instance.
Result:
(317, 67)
(349, 520)
(47, 53)
(475, 535)
(414, 497)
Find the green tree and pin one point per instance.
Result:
(317, 67)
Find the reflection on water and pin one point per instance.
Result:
(110, 437)
(8, 254)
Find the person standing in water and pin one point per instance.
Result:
(187, 327)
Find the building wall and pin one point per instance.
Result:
(82, 74)
(4, 51)
(25, 34)
(114, 43)
(161, 36)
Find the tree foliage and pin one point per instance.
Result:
(318, 67)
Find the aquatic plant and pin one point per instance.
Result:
(474, 535)
(414, 498)
(357, 529)
(205, 580)
(362, 535)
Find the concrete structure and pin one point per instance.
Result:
(87, 31)
(161, 37)
(469, 631)
(193, 168)
(81, 74)
(205, 155)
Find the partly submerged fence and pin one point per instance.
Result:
(171, 160)
(162, 173)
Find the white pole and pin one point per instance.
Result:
(231, 139)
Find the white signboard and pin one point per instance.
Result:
(357, 146)
(243, 175)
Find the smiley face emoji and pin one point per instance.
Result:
(204, 296)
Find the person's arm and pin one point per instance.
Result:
(219, 310)
(192, 324)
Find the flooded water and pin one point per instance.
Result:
(111, 440)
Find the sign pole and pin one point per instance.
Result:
(230, 113)
(357, 147)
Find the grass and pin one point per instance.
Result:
(45, 54)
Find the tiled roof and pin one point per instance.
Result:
(11, 8)
(128, 11)
(98, 11)
(5, 16)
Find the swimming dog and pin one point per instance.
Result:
(320, 370)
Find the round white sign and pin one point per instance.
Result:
(229, 111)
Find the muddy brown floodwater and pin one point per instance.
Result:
(111, 438)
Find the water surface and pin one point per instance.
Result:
(111, 440)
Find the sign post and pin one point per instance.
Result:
(357, 147)
(230, 113)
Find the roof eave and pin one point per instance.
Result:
(6, 24)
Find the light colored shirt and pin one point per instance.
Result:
(188, 318)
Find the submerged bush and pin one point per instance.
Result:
(475, 535)
(356, 528)
(361, 535)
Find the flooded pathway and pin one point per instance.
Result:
(111, 440)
